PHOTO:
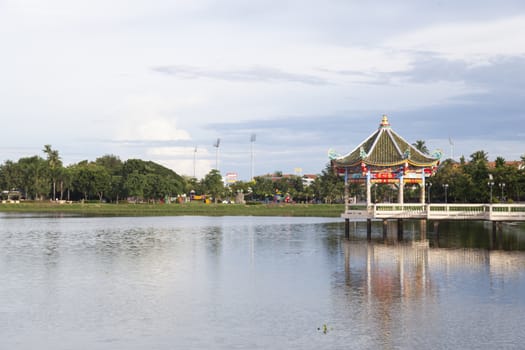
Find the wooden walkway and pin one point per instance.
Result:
(488, 212)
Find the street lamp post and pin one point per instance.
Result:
(429, 186)
(491, 184)
(502, 186)
(445, 186)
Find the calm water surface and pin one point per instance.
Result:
(257, 283)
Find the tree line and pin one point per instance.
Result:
(474, 181)
(105, 179)
(110, 179)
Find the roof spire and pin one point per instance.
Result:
(384, 121)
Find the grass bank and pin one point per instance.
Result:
(105, 209)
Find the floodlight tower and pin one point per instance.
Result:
(216, 145)
(194, 156)
(252, 141)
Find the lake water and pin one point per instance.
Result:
(257, 283)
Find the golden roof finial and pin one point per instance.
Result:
(384, 121)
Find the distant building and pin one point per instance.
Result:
(513, 163)
(12, 195)
(308, 179)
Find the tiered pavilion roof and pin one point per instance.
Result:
(385, 148)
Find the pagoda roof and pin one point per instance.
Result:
(385, 148)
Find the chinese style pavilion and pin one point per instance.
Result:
(386, 158)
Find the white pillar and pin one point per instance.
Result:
(400, 196)
(422, 188)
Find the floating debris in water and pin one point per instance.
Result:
(324, 328)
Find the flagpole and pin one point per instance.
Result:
(451, 147)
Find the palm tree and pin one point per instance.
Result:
(420, 146)
(55, 165)
(479, 156)
(478, 171)
(500, 162)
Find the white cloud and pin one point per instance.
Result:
(470, 41)
(159, 129)
(183, 160)
(65, 10)
(179, 152)
(186, 166)
(149, 118)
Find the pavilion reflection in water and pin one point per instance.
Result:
(405, 268)
(404, 282)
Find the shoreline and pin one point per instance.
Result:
(195, 209)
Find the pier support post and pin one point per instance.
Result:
(435, 224)
(499, 234)
(347, 228)
(385, 228)
(399, 229)
(347, 262)
(369, 229)
(493, 238)
(423, 229)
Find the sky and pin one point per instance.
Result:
(163, 80)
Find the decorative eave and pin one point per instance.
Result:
(385, 148)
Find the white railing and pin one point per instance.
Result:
(385, 211)
(494, 212)
(506, 212)
(458, 211)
